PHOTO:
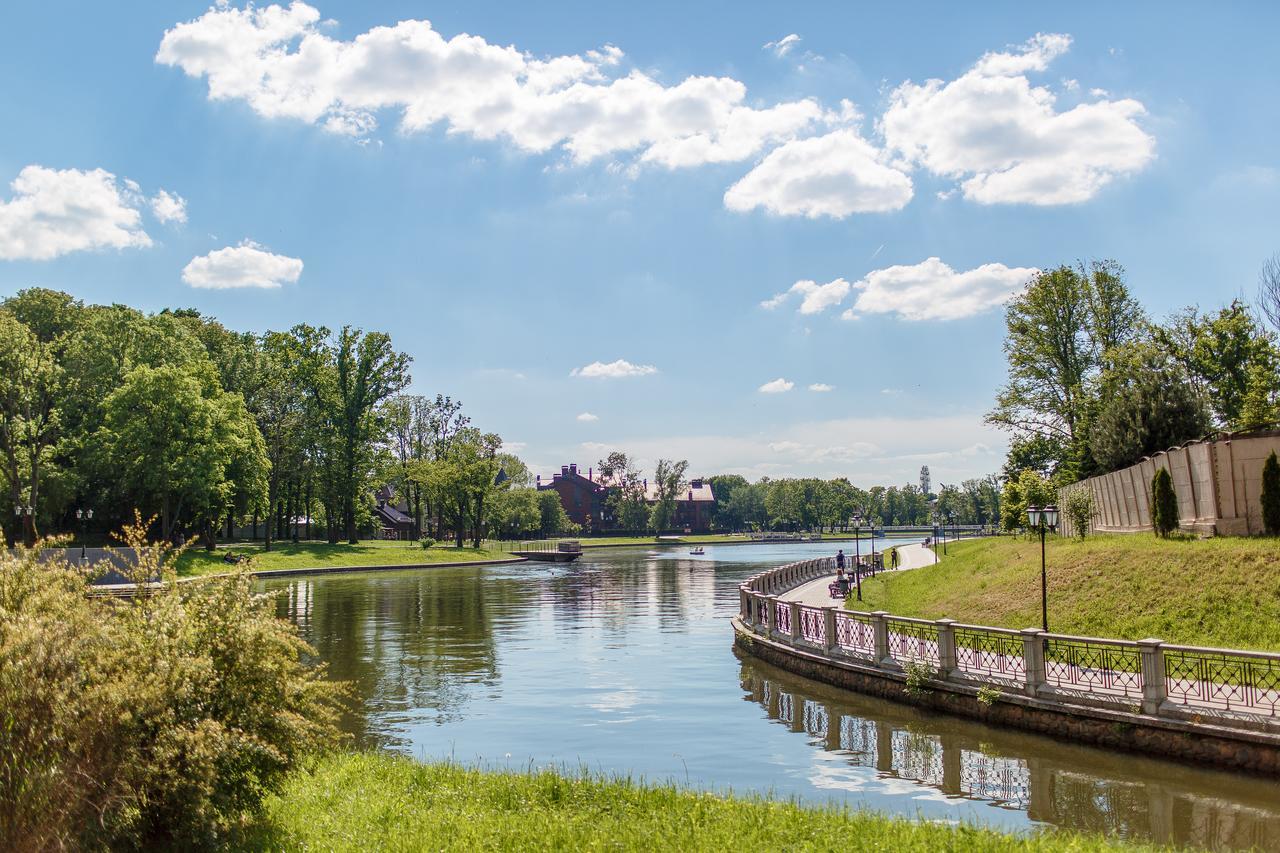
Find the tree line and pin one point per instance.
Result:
(106, 408)
(1095, 384)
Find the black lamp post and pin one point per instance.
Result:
(1043, 518)
(26, 514)
(83, 515)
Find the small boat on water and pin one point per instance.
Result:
(696, 552)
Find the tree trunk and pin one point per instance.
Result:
(308, 507)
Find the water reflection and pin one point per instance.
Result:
(1054, 783)
(623, 663)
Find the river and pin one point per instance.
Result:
(623, 663)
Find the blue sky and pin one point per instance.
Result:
(554, 192)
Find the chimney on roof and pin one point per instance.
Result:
(691, 495)
(573, 468)
(564, 470)
(591, 474)
(539, 480)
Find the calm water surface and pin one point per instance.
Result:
(623, 663)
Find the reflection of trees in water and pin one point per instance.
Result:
(412, 646)
(674, 592)
(1062, 784)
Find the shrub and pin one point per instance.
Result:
(157, 721)
(988, 694)
(1164, 503)
(1271, 494)
(426, 542)
(1080, 509)
(918, 674)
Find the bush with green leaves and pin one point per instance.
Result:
(427, 542)
(1164, 503)
(1080, 509)
(156, 721)
(1271, 494)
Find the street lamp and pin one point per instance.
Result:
(26, 514)
(83, 515)
(857, 552)
(1043, 518)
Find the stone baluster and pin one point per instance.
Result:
(771, 603)
(1153, 683)
(946, 646)
(880, 630)
(744, 604)
(797, 634)
(829, 629)
(1033, 643)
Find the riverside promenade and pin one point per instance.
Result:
(815, 592)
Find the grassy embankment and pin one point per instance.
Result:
(379, 802)
(1214, 592)
(308, 555)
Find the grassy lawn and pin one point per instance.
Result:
(1212, 592)
(306, 555)
(379, 802)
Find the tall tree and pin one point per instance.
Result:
(669, 482)
(29, 419)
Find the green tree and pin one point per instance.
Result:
(1258, 410)
(515, 512)
(1164, 503)
(669, 482)
(1147, 406)
(553, 518)
(1079, 507)
(1271, 494)
(175, 443)
(728, 513)
(626, 497)
(464, 478)
(29, 418)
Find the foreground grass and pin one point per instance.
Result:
(307, 555)
(1213, 592)
(380, 802)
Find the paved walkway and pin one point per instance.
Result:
(815, 593)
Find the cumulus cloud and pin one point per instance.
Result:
(281, 63)
(782, 46)
(814, 298)
(1003, 139)
(613, 370)
(931, 290)
(821, 387)
(834, 175)
(587, 417)
(246, 265)
(168, 207)
(777, 386)
(56, 211)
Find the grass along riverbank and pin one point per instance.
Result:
(1214, 592)
(309, 555)
(379, 802)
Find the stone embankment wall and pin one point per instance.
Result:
(1218, 484)
(1210, 706)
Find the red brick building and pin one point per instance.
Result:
(585, 500)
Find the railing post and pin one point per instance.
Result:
(1033, 644)
(796, 633)
(1153, 685)
(880, 630)
(744, 604)
(771, 604)
(946, 646)
(829, 629)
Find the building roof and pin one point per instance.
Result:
(697, 490)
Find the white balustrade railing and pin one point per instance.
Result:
(1148, 676)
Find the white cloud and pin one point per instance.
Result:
(246, 265)
(815, 298)
(56, 211)
(168, 207)
(1002, 139)
(931, 290)
(832, 175)
(280, 62)
(782, 46)
(777, 386)
(821, 387)
(613, 370)
(587, 417)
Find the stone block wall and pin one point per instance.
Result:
(1218, 484)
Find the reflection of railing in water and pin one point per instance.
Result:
(1048, 790)
(1234, 688)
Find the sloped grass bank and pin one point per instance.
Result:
(379, 802)
(1214, 592)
